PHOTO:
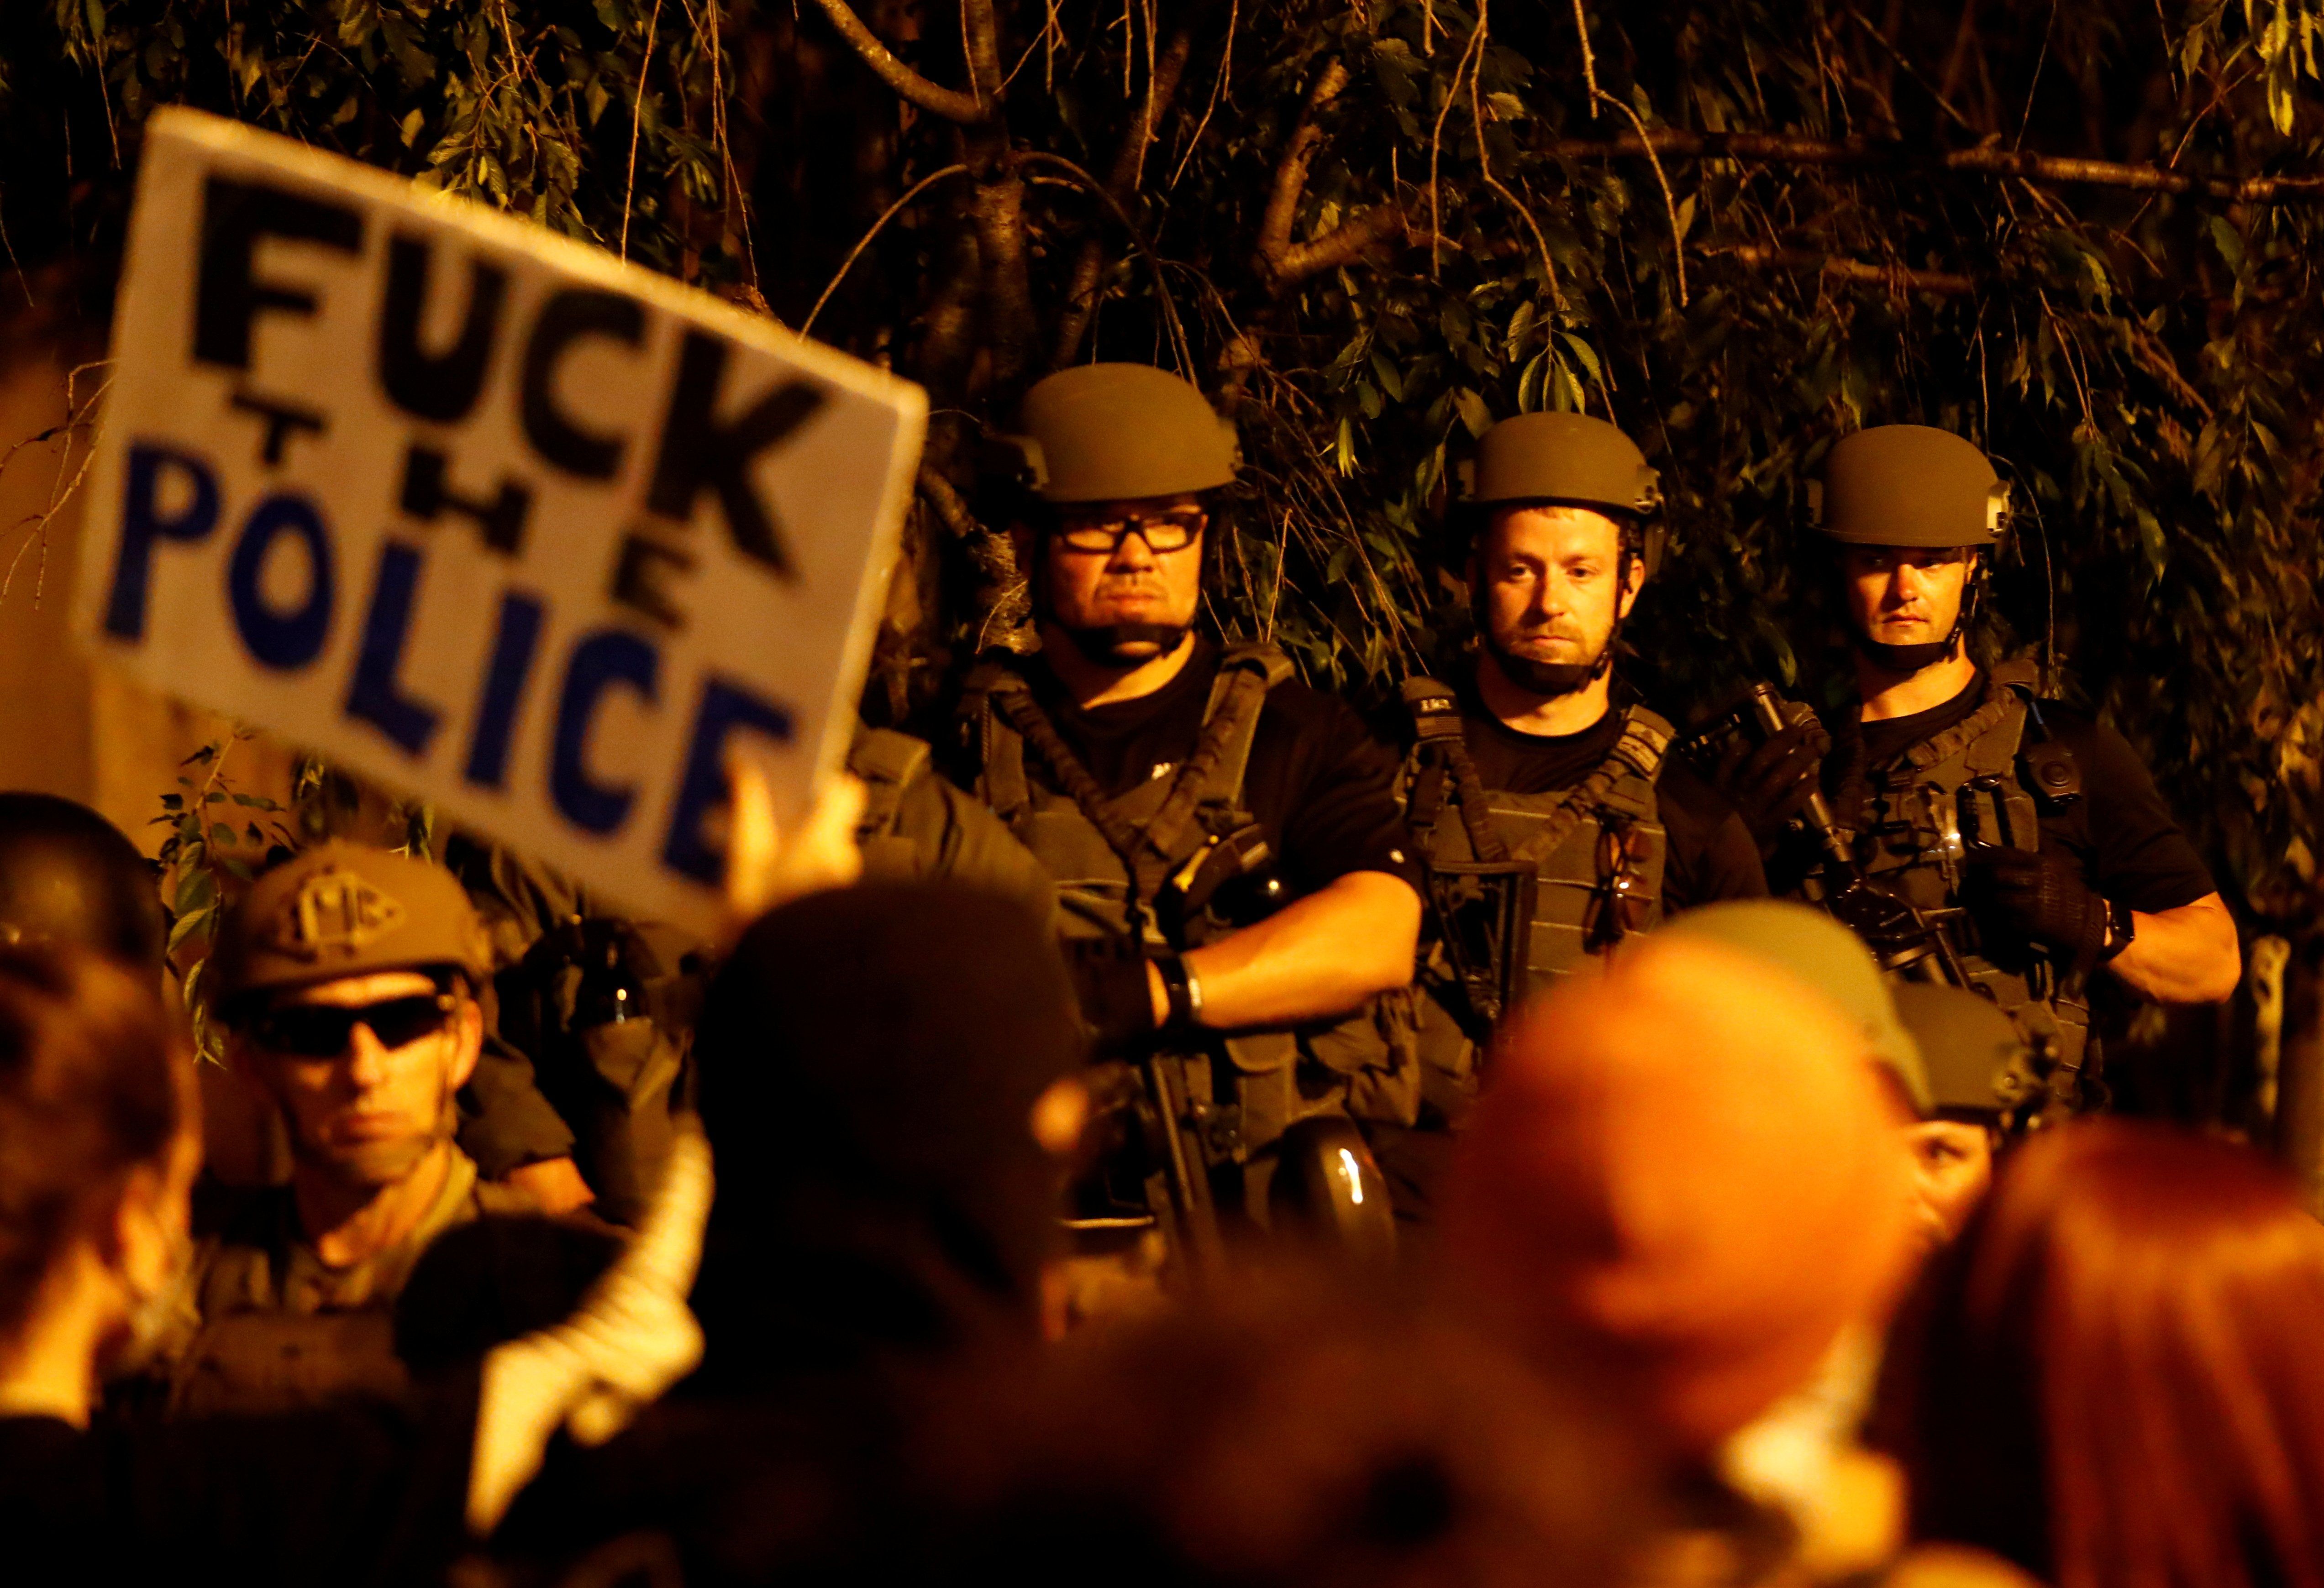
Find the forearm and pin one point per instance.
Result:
(2183, 955)
(1319, 956)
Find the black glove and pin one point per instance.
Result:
(1108, 976)
(1773, 784)
(2037, 899)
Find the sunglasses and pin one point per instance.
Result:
(324, 1031)
(1172, 531)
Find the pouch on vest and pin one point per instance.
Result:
(1483, 910)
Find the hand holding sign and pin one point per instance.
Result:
(765, 865)
(483, 512)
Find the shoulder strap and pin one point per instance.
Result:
(999, 744)
(1640, 744)
(1995, 751)
(2024, 676)
(1645, 740)
(1210, 780)
(886, 761)
(1441, 744)
(1253, 669)
(1999, 702)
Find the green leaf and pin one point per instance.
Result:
(197, 890)
(2229, 242)
(1474, 414)
(186, 926)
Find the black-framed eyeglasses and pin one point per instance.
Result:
(324, 1031)
(1162, 532)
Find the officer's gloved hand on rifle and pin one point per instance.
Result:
(1109, 981)
(1771, 784)
(2039, 899)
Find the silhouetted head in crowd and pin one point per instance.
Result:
(99, 1145)
(1684, 1170)
(2121, 1384)
(1913, 1033)
(69, 875)
(1281, 1433)
(880, 1067)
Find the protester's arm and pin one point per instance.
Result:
(1318, 956)
(2189, 955)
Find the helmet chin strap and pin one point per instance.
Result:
(1108, 644)
(1552, 679)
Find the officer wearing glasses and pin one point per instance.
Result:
(348, 982)
(1231, 868)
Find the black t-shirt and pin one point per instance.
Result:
(1712, 853)
(1319, 783)
(2129, 845)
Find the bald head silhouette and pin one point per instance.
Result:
(69, 875)
(1684, 1171)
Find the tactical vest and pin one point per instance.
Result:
(1596, 853)
(916, 825)
(268, 1328)
(1188, 833)
(1911, 821)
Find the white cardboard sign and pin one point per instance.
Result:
(481, 512)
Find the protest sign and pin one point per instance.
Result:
(480, 511)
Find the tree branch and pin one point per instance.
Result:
(952, 105)
(1120, 187)
(1942, 283)
(1291, 172)
(1284, 262)
(807, 326)
(1008, 618)
(1340, 245)
(1768, 148)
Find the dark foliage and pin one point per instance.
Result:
(2078, 232)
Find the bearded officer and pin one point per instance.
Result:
(1556, 822)
(347, 979)
(2031, 834)
(1230, 862)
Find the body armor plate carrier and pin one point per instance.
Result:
(1912, 822)
(1523, 888)
(1181, 859)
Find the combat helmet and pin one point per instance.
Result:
(1825, 956)
(1567, 460)
(1117, 433)
(1909, 485)
(1978, 1063)
(1913, 485)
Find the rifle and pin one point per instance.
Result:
(1898, 934)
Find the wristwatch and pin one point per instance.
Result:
(2121, 928)
(1183, 987)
